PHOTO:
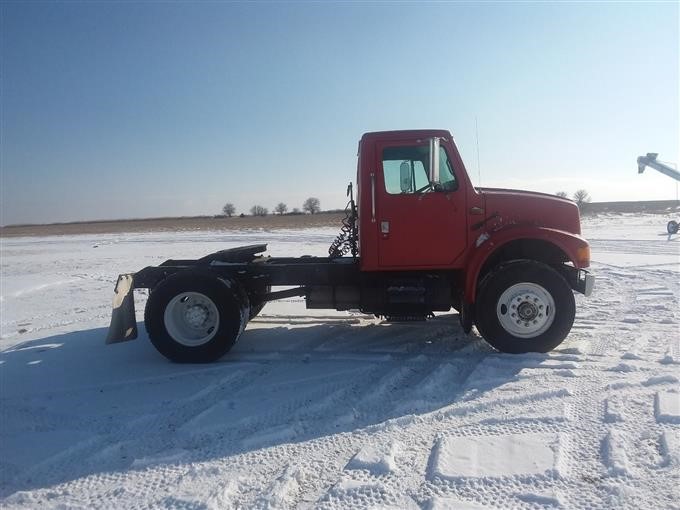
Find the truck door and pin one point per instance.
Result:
(419, 225)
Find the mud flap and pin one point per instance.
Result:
(123, 321)
(465, 316)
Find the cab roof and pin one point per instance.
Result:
(405, 134)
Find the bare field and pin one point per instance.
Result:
(648, 207)
(289, 221)
(292, 221)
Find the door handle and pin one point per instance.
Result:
(476, 210)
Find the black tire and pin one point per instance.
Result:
(525, 285)
(672, 227)
(230, 304)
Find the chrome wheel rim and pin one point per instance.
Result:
(191, 319)
(525, 310)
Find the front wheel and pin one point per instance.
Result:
(193, 317)
(524, 306)
(672, 227)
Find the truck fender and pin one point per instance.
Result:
(574, 247)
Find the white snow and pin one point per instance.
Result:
(661, 379)
(330, 410)
(614, 409)
(615, 456)
(378, 459)
(522, 454)
(670, 448)
(545, 500)
(668, 407)
(443, 503)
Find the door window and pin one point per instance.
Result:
(406, 170)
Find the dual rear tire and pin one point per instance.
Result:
(193, 317)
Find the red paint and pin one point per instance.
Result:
(569, 243)
(417, 237)
(439, 230)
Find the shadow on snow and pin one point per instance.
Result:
(72, 406)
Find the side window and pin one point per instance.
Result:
(405, 169)
(446, 176)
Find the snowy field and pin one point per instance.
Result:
(336, 410)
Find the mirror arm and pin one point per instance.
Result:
(413, 176)
(434, 161)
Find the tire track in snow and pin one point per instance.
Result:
(142, 436)
(417, 434)
(307, 412)
(378, 381)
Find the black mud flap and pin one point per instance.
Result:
(123, 321)
(465, 316)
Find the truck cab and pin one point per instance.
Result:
(420, 211)
(413, 201)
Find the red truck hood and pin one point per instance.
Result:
(530, 208)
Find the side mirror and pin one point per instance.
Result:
(405, 177)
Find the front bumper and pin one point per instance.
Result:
(584, 282)
(578, 279)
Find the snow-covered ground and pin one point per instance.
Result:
(336, 410)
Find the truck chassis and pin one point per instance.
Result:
(246, 278)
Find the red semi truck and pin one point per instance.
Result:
(420, 239)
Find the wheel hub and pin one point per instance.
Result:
(196, 316)
(525, 310)
(191, 319)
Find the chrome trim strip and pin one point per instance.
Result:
(372, 197)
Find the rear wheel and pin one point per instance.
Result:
(193, 317)
(672, 227)
(524, 306)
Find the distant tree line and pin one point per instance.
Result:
(580, 196)
(312, 206)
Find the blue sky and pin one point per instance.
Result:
(120, 110)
